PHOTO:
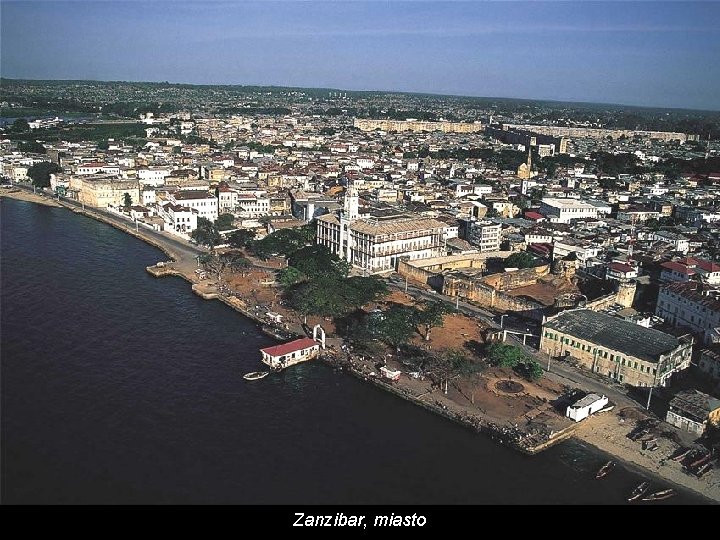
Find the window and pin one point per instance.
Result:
(636, 366)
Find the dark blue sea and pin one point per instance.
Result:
(118, 387)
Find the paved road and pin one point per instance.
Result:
(184, 249)
(560, 371)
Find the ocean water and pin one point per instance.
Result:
(118, 387)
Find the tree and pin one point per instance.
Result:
(431, 316)
(241, 238)
(327, 295)
(103, 145)
(20, 125)
(206, 233)
(235, 261)
(521, 259)
(225, 222)
(127, 200)
(40, 173)
(33, 147)
(290, 276)
(394, 326)
(316, 259)
(502, 355)
(530, 369)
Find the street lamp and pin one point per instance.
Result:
(501, 319)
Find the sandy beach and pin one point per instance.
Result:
(608, 432)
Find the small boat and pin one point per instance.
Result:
(683, 453)
(703, 469)
(660, 495)
(255, 375)
(639, 491)
(605, 469)
(704, 459)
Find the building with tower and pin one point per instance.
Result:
(377, 242)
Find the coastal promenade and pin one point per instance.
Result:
(606, 432)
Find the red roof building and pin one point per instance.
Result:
(287, 354)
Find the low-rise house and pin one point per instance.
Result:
(288, 354)
(693, 411)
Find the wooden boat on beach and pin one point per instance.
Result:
(683, 453)
(639, 491)
(660, 495)
(255, 375)
(605, 470)
(703, 469)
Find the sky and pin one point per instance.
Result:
(664, 54)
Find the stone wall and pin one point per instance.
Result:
(423, 269)
(487, 296)
(508, 281)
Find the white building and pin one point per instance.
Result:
(583, 250)
(586, 406)
(566, 210)
(250, 205)
(483, 234)
(205, 203)
(153, 176)
(179, 218)
(692, 306)
(376, 244)
(677, 241)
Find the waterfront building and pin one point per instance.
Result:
(153, 176)
(103, 191)
(693, 306)
(202, 201)
(288, 354)
(618, 349)
(376, 244)
(180, 218)
(693, 411)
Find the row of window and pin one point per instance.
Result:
(600, 353)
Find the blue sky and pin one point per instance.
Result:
(641, 53)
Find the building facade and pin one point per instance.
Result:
(693, 306)
(618, 349)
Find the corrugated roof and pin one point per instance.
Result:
(614, 333)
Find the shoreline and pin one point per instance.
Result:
(506, 436)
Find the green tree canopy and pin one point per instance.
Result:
(327, 295)
(224, 222)
(432, 315)
(394, 326)
(206, 233)
(284, 242)
(241, 238)
(521, 259)
(33, 147)
(502, 355)
(316, 259)
(40, 173)
(20, 125)
(127, 200)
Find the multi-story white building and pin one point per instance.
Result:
(483, 234)
(566, 210)
(250, 205)
(693, 306)
(679, 242)
(179, 218)
(376, 244)
(584, 250)
(153, 176)
(205, 203)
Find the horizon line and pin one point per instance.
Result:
(418, 93)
